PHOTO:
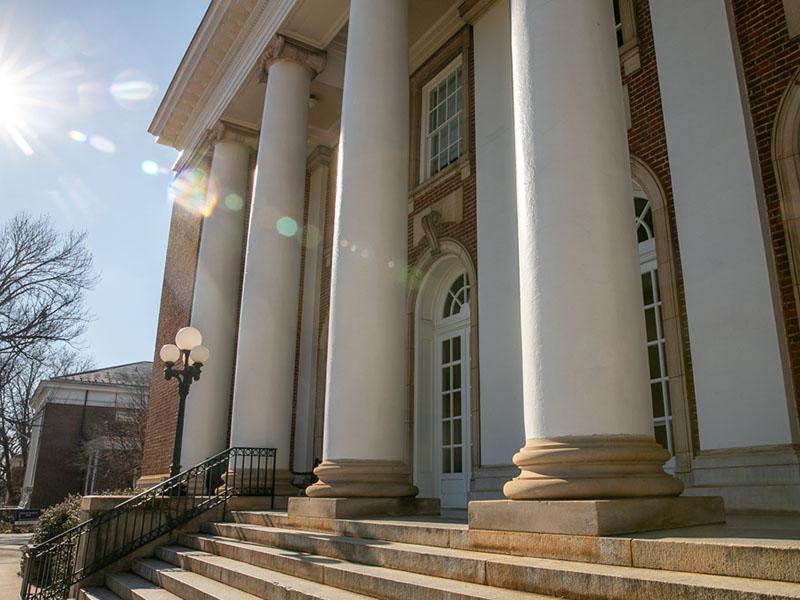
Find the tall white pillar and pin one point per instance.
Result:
(262, 401)
(588, 421)
(365, 395)
(216, 292)
(308, 350)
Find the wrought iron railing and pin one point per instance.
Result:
(51, 568)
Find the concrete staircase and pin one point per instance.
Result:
(267, 555)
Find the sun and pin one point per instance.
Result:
(12, 107)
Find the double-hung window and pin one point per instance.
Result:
(442, 119)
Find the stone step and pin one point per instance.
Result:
(442, 534)
(97, 593)
(222, 579)
(244, 564)
(501, 572)
(128, 586)
(694, 550)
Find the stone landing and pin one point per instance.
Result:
(595, 517)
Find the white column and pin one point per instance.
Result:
(587, 412)
(319, 179)
(262, 401)
(734, 327)
(365, 395)
(216, 293)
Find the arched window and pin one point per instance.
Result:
(656, 350)
(457, 296)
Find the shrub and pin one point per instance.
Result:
(57, 519)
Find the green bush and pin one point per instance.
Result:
(57, 519)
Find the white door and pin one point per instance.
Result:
(452, 416)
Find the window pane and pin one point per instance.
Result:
(661, 435)
(647, 288)
(657, 395)
(655, 365)
(445, 379)
(650, 324)
(456, 404)
(648, 219)
(457, 348)
(445, 406)
(444, 138)
(639, 204)
(432, 121)
(441, 116)
(456, 377)
(434, 145)
(434, 166)
(445, 460)
(451, 84)
(457, 425)
(458, 101)
(445, 351)
(457, 459)
(451, 106)
(453, 153)
(446, 433)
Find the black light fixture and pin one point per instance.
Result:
(187, 349)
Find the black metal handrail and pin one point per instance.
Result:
(54, 566)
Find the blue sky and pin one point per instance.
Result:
(87, 78)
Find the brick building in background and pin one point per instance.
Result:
(87, 433)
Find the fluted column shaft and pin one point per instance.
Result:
(365, 395)
(216, 293)
(588, 420)
(262, 403)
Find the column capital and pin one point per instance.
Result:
(224, 131)
(320, 156)
(285, 48)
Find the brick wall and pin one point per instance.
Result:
(175, 312)
(770, 60)
(60, 464)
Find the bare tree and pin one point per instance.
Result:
(44, 276)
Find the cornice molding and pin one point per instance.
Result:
(472, 10)
(435, 37)
(283, 48)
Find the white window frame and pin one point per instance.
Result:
(424, 160)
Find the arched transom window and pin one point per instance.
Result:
(651, 296)
(457, 296)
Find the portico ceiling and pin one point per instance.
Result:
(219, 76)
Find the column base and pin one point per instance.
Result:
(354, 508)
(595, 517)
(591, 467)
(354, 478)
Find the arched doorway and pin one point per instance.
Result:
(442, 448)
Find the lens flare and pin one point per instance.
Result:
(131, 89)
(77, 136)
(188, 189)
(150, 167)
(234, 202)
(12, 101)
(102, 144)
(286, 226)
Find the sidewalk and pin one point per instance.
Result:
(10, 547)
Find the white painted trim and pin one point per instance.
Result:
(424, 167)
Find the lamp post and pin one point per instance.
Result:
(187, 347)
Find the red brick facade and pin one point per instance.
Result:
(770, 60)
(175, 312)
